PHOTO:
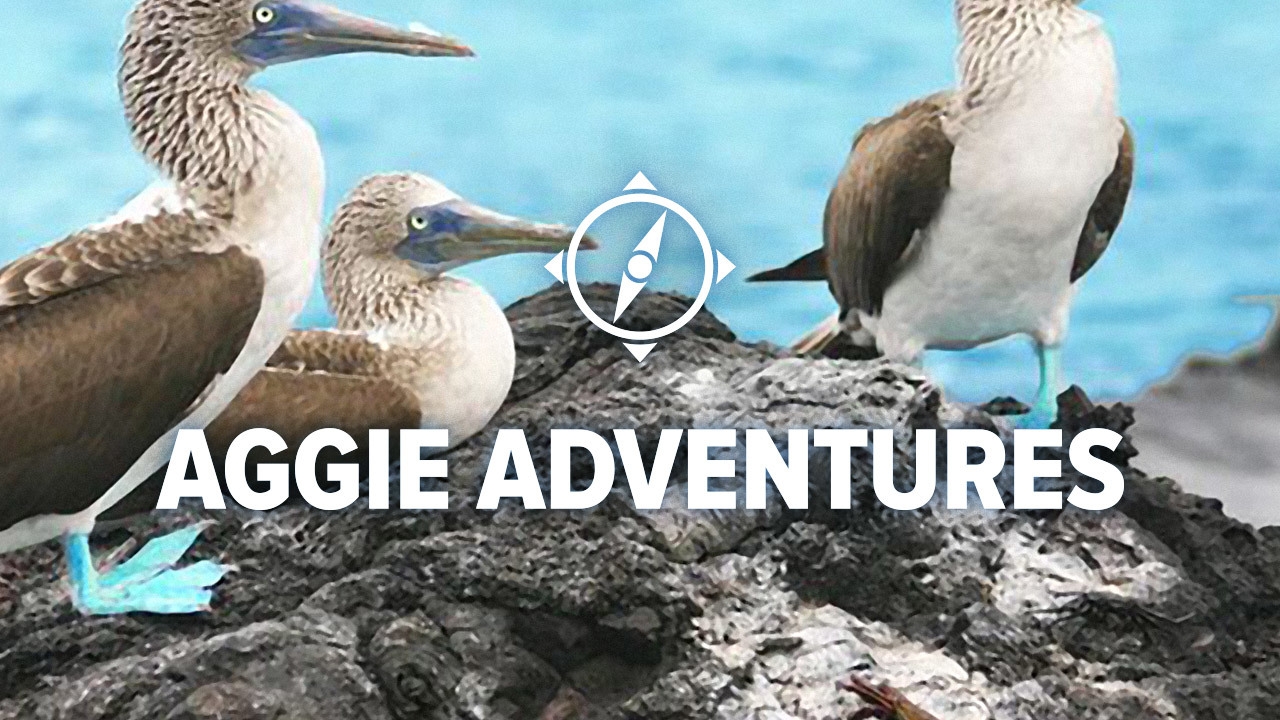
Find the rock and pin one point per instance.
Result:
(1213, 426)
(1163, 608)
(301, 666)
(1005, 406)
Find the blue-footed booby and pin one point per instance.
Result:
(414, 346)
(117, 337)
(969, 215)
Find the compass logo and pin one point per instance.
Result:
(716, 267)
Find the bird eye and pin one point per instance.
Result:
(264, 15)
(417, 222)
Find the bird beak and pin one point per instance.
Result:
(306, 30)
(484, 234)
(476, 233)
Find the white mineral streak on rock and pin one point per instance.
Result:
(1039, 575)
(795, 654)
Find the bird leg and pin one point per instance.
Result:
(1045, 411)
(147, 582)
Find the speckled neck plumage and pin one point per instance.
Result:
(195, 120)
(369, 294)
(1003, 40)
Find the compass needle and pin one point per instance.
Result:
(639, 269)
(636, 276)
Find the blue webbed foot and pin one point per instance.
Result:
(147, 582)
(1040, 418)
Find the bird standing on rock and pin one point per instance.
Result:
(119, 336)
(970, 215)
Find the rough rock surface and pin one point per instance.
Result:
(1164, 608)
(1215, 425)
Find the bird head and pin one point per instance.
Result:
(413, 220)
(245, 36)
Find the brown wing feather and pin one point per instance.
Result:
(322, 379)
(93, 256)
(330, 351)
(1107, 210)
(89, 379)
(296, 404)
(892, 187)
(811, 267)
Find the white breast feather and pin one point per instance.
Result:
(997, 259)
(472, 362)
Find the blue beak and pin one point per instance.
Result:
(461, 232)
(303, 30)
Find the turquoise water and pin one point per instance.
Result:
(742, 110)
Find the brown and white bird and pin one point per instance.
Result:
(117, 337)
(970, 215)
(414, 346)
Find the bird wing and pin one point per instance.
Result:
(1107, 210)
(296, 403)
(891, 189)
(331, 351)
(96, 255)
(101, 356)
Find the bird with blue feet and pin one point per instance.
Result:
(118, 337)
(971, 215)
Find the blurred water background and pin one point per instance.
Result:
(742, 110)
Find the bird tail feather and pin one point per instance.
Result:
(810, 268)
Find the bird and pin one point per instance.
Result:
(970, 215)
(117, 337)
(414, 346)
